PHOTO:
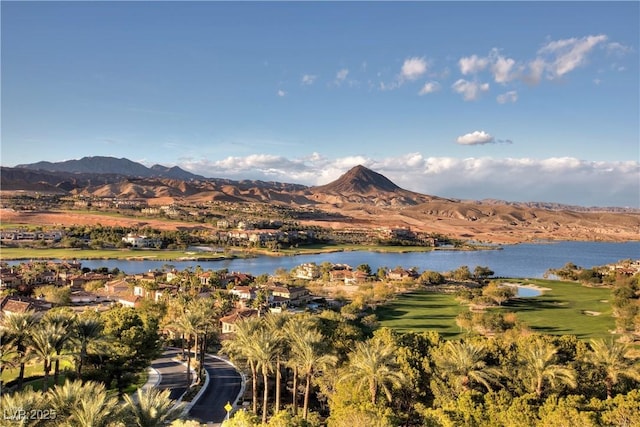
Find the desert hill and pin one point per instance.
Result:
(361, 185)
(359, 180)
(361, 198)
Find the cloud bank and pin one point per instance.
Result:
(556, 179)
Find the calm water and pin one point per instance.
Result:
(524, 260)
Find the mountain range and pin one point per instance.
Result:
(361, 197)
(111, 166)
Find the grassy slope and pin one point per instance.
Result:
(558, 311)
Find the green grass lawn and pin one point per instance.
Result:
(33, 376)
(561, 310)
(422, 311)
(50, 253)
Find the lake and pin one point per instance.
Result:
(526, 260)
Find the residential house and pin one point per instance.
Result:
(308, 271)
(295, 294)
(237, 278)
(84, 297)
(129, 300)
(118, 286)
(401, 274)
(228, 322)
(9, 279)
(140, 241)
(16, 304)
(155, 294)
(244, 292)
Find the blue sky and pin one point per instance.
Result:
(519, 101)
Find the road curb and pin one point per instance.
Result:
(154, 379)
(195, 399)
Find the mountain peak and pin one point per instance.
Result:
(360, 180)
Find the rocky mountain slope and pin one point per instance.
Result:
(359, 198)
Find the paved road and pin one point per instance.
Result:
(224, 386)
(174, 374)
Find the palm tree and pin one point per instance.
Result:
(20, 402)
(95, 408)
(205, 324)
(310, 357)
(188, 324)
(293, 332)
(87, 331)
(19, 326)
(9, 356)
(463, 361)
(151, 408)
(239, 349)
(612, 357)
(265, 348)
(372, 365)
(43, 343)
(276, 324)
(539, 367)
(64, 398)
(65, 322)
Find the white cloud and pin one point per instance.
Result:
(475, 138)
(472, 64)
(536, 69)
(502, 69)
(341, 76)
(412, 68)
(308, 79)
(429, 87)
(566, 55)
(563, 179)
(470, 91)
(618, 49)
(511, 96)
(281, 93)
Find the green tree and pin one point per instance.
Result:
(310, 355)
(21, 402)
(461, 274)
(463, 363)
(365, 268)
(373, 367)
(276, 323)
(482, 273)
(239, 349)
(96, 408)
(539, 367)
(64, 319)
(429, 277)
(19, 326)
(614, 359)
(151, 408)
(265, 348)
(56, 295)
(44, 342)
(87, 331)
(133, 343)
